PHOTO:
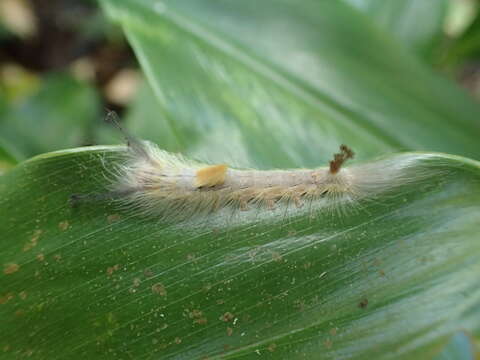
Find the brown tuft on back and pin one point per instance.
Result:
(338, 159)
(210, 176)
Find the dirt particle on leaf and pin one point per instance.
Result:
(328, 343)
(33, 240)
(63, 225)
(159, 289)
(195, 313)
(28, 245)
(148, 273)
(113, 218)
(23, 295)
(363, 303)
(197, 316)
(36, 235)
(229, 331)
(201, 321)
(136, 282)
(276, 256)
(272, 347)
(192, 258)
(228, 316)
(112, 269)
(57, 257)
(333, 331)
(177, 340)
(40, 257)
(6, 298)
(10, 268)
(299, 304)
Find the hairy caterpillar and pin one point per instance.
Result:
(167, 185)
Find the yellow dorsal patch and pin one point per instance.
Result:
(211, 176)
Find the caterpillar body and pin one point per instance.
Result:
(160, 183)
(165, 185)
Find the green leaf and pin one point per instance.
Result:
(277, 84)
(7, 160)
(460, 347)
(393, 277)
(59, 115)
(466, 47)
(417, 24)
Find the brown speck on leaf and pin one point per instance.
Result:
(6, 348)
(36, 235)
(57, 257)
(229, 331)
(333, 331)
(112, 269)
(178, 340)
(6, 298)
(340, 158)
(40, 257)
(228, 316)
(328, 343)
(200, 321)
(23, 295)
(381, 272)
(28, 246)
(276, 256)
(148, 273)
(363, 304)
(113, 218)
(29, 352)
(63, 225)
(299, 304)
(195, 313)
(159, 289)
(136, 282)
(272, 347)
(10, 268)
(33, 241)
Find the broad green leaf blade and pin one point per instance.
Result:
(460, 347)
(59, 115)
(466, 47)
(7, 160)
(391, 278)
(288, 83)
(417, 24)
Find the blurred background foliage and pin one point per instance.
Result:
(68, 50)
